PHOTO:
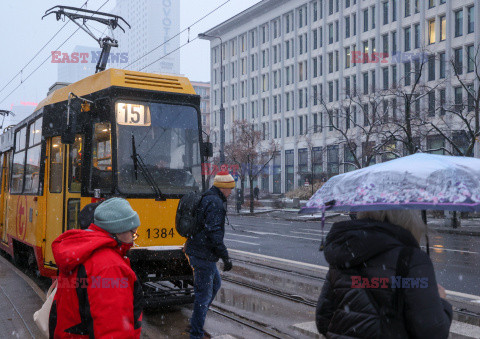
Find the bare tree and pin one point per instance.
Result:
(409, 120)
(245, 150)
(359, 118)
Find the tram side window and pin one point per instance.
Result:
(32, 170)
(56, 165)
(18, 162)
(102, 157)
(75, 170)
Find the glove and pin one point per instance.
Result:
(227, 265)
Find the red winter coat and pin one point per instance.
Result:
(98, 294)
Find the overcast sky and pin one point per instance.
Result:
(23, 33)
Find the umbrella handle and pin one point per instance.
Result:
(323, 226)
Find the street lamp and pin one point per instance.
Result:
(222, 110)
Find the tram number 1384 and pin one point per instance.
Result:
(159, 233)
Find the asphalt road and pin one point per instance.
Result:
(456, 258)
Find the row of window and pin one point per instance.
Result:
(386, 110)
(350, 26)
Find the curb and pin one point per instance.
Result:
(456, 231)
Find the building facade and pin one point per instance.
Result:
(203, 89)
(290, 68)
(153, 23)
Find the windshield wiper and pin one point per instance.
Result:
(138, 162)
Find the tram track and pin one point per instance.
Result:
(462, 314)
(252, 324)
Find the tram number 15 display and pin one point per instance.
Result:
(159, 233)
(132, 114)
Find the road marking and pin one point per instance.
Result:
(242, 235)
(310, 233)
(311, 229)
(280, 259)
(449, 250)
(282, 235)
(243, 242)
(277, 223)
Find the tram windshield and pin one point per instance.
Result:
(165, 138)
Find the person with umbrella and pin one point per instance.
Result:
(380, 284)
(369, 255)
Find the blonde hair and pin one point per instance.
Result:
(410, 220)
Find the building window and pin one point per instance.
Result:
(385, 13)
(347, 57)
(407, 39)
(459, 23)
(431, 31)
(458, 98)
(347, 27)
(330, 62)
(458, 60)
(436, 144)
(470, 59)
(407, 8)
(394, 43)
(385, 78)
(407, 70)
(431, 3)
(365, 20)
(332, 160)
(337, 31)
(330, 33)
(431, 67)
(373, 17)
(442, 65)
(431, 104)
(394, 10)
(442, 101)
(471, 20)
(443, 28)
(365, 83)
(417, 35)
(354, 24)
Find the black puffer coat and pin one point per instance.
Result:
(370, 249)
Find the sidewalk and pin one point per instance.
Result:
(18, 302)
(469, 227)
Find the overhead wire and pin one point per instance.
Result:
(173, 37)
(48, 57)
(36, 54)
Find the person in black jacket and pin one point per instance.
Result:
(205, 248)
(357, 299)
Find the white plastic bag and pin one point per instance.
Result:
(41, 317)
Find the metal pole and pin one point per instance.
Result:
(222, 110)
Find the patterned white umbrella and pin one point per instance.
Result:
(420, 181)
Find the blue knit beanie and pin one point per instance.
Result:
(115, 215)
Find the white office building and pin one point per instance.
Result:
(289, 66)
(154, 23)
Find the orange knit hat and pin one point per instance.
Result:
(223, 179)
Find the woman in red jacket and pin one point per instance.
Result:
(98, 294)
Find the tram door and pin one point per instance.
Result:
(62, 190)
